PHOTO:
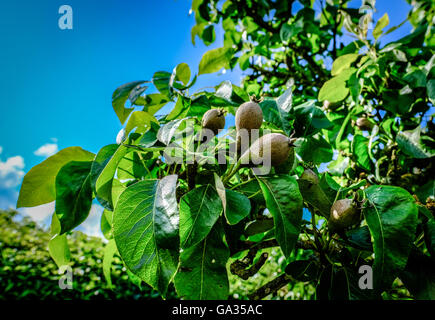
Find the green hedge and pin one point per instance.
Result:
(28, 272)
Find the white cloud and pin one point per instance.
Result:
(91, 226)
(40, 214)
(11, 172)
(47, 150)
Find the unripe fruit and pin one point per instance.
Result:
(343, 214)
(310, 176)
(364, 124)
(214, 120)
(249, 116)
(278, 144)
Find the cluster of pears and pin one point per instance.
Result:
(249, 117)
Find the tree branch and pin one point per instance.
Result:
(270, 287)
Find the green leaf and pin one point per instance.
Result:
(316, 196)
(182, 72)
(220, 189)
(361, 151)
(333, 284)
(38, 186)
(315, 149)
(258, 226)
(106, 224)
(284, 202)
(419, 275)
(214, 60)
(381, 24)
(334, 90)
(167, 132)
(161, 80)
(109, 251)
(152, 102)
(139, 119)
(343, 63)
(302, 270)
(202, 274)
(180, 109)
(73, 194)
(208, 35)
(410, 143)
(274, 114)
(309, 119)
(58, 244)
(391, 215)
(360, 238)
(119, 98)
(103, 171)
(431, 90)
(238, 207)
(130, 167)
(199, 211)
(287, 31)
(145, 227)
(117, 188)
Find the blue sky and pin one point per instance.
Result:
(56, 85)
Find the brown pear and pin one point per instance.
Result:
(277, 144)
(214, 120)
(249, 116)
(343, 214)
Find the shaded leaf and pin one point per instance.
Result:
(284, 202)
(145, 227)
(73, 194)
(199, 211)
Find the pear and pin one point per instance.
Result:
(278, 144)
(343, 214)
(214, 120)
(249, 116)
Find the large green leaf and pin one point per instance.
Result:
(391, 215)
(343, 62)
(214, 60)
(103, 171)
(73, 194)
(145, 227)
(284, 202)
(199, 211)
(119, 98)
(58, 244)
(335, 89)
(38, 186)
(202, 274)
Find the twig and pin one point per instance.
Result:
(270, 287)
